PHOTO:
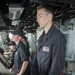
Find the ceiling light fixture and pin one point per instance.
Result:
(15, 11)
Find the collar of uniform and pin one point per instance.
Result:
(17, 46)
(50, 31)
(41, 36)
(47, 35)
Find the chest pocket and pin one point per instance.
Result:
(46, 52)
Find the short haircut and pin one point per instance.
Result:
(47, 8)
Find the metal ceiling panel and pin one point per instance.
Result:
(66, 1)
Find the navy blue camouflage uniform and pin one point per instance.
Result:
(21, 54)
(50, 55)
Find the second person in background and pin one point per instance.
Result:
(21, 55)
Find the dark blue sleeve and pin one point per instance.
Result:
(24, 56)
(58, 56)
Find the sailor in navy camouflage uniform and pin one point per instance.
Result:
(50, 55)
(21, 55)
